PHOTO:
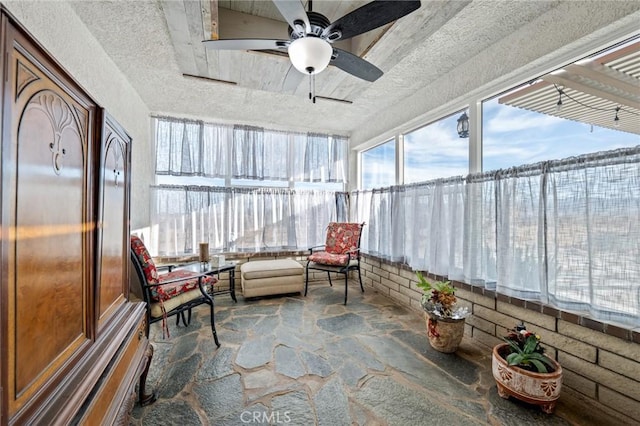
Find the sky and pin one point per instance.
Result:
(511, 137)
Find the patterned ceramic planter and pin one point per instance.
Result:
(445, 334)
(542, 389)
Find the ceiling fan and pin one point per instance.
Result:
(311, 36)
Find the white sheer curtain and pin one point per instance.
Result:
(216, 146)
(359, 210)
(565, 233)
(240, 219)
(593, 237)
(248, 154)
(480, 226)
(420, 224)
(520, 233)
(178, 147)
(195, 148)
(313, 210)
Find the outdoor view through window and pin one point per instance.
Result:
(526, 125)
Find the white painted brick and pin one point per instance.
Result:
(381, 288)
(381, 272)
(502, 321)
(400, 297)
(482, 324)
(579, 383)
(479, 299)
(414, 295)
(410, 275)
(374, 277)
(393, 286)
(621, 365)
(601, 375)
(601, 340)
(372, 261)
(569, 345)
(390, 268)
(619, 402)
(488, 340)
(400, 280)
(366, 267)
(528, 316)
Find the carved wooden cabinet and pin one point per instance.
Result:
(71, 342)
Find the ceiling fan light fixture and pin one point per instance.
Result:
(310, 55)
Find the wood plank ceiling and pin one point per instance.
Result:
(190, 22)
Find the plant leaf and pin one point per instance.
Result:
(514, 358)
(539, 366)
(530, 345)
(514, 346)
(423, 283)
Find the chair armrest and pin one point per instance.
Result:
(311, 249)
(177, 280)
(354, 253)
(168, 267)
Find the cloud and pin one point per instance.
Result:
(511, 137)
(510, 119)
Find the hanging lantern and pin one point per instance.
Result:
(463, 126)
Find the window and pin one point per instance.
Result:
(197, 153)
(242, 188)
(512, 137)
(379, 166)
(435, 151)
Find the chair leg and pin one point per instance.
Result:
(360, 279)
(346, 286)
(213, 326)
(329, 275)
(306, 280)
(180, 315)
(188, 317)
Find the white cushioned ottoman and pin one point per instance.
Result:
(268, 277)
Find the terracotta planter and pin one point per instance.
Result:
(445, 334)
(542, 389)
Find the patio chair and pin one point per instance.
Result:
(340, 254)
(173, 293)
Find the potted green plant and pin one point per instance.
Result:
(522, 370)
(445, 321)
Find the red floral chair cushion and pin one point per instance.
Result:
(168, 291)
(165, 292)
(342, 244)
(325, 258)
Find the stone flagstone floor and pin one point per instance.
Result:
(296, 360)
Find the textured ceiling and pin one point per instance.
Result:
(431, 57)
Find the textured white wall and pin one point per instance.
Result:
(57, 28)
(564, 33)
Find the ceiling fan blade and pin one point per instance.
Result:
(371, 16)
(292, 11)
(247, 44)
(355, 65)
(292, 80)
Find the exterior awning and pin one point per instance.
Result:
(591, 91)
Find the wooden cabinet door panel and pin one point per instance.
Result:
(114, 223)
(50, 254)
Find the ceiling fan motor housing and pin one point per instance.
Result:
(318, 23)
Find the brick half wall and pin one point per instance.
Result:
(600, 361)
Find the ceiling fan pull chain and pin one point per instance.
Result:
(310, 76)
(314, 88)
